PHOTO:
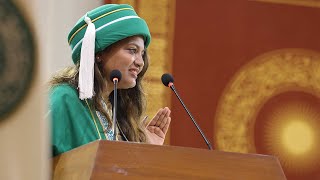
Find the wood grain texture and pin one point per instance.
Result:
(121, 160)
(76, 164)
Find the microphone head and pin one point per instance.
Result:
(115, 74)
(166, 79)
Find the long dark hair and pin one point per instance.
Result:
(131, 103)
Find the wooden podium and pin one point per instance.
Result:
(122, 160)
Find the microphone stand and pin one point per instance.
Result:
(194, 122)
(114, 113)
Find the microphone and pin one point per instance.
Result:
(115, 77)
(167, 80)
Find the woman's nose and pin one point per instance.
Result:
(139, 60)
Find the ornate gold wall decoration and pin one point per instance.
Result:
(287, 126)
(272, 106)
(265, 76)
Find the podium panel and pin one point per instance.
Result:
(122, 160)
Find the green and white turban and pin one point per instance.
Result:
(97, 30)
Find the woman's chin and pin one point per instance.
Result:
(127, 85)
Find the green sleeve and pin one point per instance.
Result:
(71, 121)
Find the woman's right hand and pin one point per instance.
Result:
(157, 128)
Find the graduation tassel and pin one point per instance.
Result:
(86, 71)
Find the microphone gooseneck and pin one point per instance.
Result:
(167, 80)
(115, 77)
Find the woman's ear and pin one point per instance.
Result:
(98, 57)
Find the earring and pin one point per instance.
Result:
(98, 59)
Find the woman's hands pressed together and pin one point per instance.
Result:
(158, 126)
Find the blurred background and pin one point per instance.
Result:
(248, 70)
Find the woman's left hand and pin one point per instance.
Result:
(157, 128)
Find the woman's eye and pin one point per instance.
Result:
(133, 51)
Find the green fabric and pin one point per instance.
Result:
(118, 28)
(71, 122)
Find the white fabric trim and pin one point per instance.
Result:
(109, 23)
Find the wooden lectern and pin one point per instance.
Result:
(122, 160)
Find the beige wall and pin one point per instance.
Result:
(63, 15)
(24, 133)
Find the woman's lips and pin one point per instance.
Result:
(134, 72)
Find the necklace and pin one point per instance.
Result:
(107, 106)
(104, 122)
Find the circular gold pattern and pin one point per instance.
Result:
(287, 127)
(16, 57)
(262, 78)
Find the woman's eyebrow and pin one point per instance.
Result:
(135, 44)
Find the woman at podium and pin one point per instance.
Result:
(110, 37)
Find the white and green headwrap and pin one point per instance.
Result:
(97, 30)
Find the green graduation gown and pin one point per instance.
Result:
(72, 124)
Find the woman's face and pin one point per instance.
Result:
(126, 56)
